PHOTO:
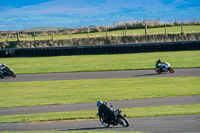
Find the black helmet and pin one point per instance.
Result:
(159, 61)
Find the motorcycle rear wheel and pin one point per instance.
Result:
(123, 121)
(104, 124)
(156, 69)
(171, 70)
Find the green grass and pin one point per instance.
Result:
(15, 94)
(152, 111)
(21, 65)
(161, 30)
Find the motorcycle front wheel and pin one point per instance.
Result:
(123, 121)
(14, 75)
(104, 124)
(171, 70)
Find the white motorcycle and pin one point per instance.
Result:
(163, 67)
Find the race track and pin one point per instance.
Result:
(101, 75)
(166, 124)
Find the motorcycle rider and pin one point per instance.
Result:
(106, 110)
(2, 66)
(158, 64)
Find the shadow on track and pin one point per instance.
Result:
(89, 128)
(145, 75)
(6, 78)
(149, 74)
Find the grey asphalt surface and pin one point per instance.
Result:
(166, 124)
(101, 75)
(88, 106)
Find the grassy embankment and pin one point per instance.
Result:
(22, 65)
(161, 30)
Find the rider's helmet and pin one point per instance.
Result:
(3, 64)
(99, 103)
(159, 61)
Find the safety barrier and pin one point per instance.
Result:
(100, 49)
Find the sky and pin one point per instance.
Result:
(27, 14)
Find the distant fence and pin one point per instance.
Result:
(100, 49)
(50, 33)
(154, 38)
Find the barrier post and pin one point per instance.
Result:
(181, 28)
(146, 32)
(106, 32)
(145, 29)
(18, 36)
(7, 36)
(165, 38)
(88, 32)
(125, 30)
(52, 36)
(34, 36)
(5, 39)
(70, 35)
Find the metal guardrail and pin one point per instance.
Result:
(101, 49)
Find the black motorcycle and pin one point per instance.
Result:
(8, 73)
(116, 119)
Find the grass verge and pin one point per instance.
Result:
(15, 94)
(152, 111)
(22, 65)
